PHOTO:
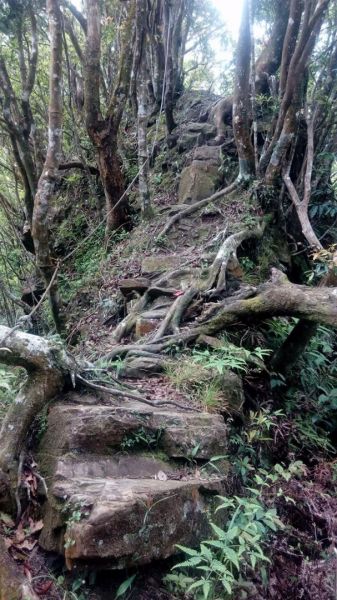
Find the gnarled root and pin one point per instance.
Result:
(196, 206)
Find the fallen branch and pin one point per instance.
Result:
(276, 298)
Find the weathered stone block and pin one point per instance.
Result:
(159, 263)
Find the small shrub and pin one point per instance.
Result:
(233, 554)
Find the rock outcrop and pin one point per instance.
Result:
(202, 177)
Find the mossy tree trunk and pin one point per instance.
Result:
(46, 364)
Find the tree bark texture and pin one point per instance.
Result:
(46, 364)
(241, 100)
(142, 109)
(103, 131)
(45, 190)
(17, 111)
(173, 18)
(279, 298)
(300, 41)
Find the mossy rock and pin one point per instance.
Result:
(198, 181)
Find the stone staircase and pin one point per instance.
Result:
(114, 502)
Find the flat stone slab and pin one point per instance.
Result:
(159, 263)
(130, 466)
(102, 429)
(129, 521)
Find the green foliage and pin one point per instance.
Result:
(237, 548)
(230, 357)
(200, 373)
(324, 262)
(309, 392)
(9, 384)
(85, 267)
(141, 438)
(74, 514)
(125, 586)
(196, 381)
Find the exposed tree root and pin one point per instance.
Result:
(227, 251)
(278, 297)
(139, 397)
(182, 304)
(46, 363)
(196, 206)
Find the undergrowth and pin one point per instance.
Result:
(201, 373)
(282, 484)
(9, 383)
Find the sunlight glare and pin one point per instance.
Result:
(231, 13)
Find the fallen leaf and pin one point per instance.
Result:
(34, 527)
(6, 520)
(18, 555)
(26, 545)
(19, 533)
(8, 542)
(43, 587)
(27, 572)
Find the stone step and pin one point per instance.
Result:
(130, 466)
(114, 523)
(118, 493)
(103, 430)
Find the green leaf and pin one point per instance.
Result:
(125, 586)
(206, 588)
(232, 556)
(218, 531)
(227, 586)
(188, 551)
(232, 533)
(206, 552)
(191, 562)
(196, 584)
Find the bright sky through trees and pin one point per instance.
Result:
(231, 12)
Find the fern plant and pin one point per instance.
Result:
(220, 564)
(226, 562)
(231, 358)
(8, 388)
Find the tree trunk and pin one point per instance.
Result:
(46, 364)
(103, 132)
(110, 170)
(241, 100)
(142, 104)
(279, 298)
(45, 190)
